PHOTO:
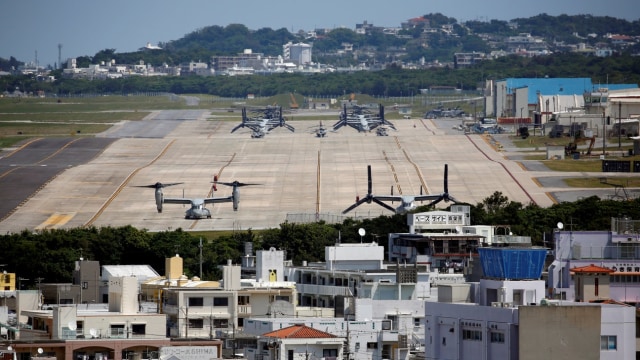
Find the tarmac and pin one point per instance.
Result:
(299, 177)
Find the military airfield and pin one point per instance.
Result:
(299, 177)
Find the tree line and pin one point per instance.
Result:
(393, 81)
(49, 255)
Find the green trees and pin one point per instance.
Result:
(49, 255)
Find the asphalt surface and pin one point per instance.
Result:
(65, 183)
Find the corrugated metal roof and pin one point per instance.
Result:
(559, 86)
(140, 271)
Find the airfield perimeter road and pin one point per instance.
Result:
(296, 173)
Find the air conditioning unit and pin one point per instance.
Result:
(507, 304)
(496, 304)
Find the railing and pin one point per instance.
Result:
(325, 290)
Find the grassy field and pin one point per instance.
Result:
(591, 163)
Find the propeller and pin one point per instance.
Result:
(236, 193)
(158, 185)
(369, 198)
(159, 195)
(234, 183)
(445, 195)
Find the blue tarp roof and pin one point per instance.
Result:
(559, 86)
(512, 264)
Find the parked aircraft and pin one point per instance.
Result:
(197, 208)
(361, 118)
(319, 130)
(261, 121)
(407, 202)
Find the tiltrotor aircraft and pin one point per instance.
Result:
(407, 202)
(263, 120)
(361, 118)
(197, 209)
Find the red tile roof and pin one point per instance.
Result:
(298, 331)
(591, 269)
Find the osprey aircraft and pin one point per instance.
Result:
(362, 119)
(263, 120)
(407, 202)
(197, 209)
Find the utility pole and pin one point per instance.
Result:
(619, 124)
(200, 246)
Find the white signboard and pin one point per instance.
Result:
(189, 353)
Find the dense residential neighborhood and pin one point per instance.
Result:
(467, 290)
(365, 47)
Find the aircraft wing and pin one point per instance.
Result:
(388, 197)
(177, 201)
(428, 197)
(218, 200)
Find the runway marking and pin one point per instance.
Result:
(56, 220)
(22, 147)
(124, 183)
(505, 169)
(415, 166)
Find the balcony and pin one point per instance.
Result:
(323, 290)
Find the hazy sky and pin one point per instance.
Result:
(86, 27)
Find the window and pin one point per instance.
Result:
(608, 342)
(372, 345)
(497, 337)
(595, 286)
(220, 323)
(196, 324)
(475, 335)
(117, 330)
(196, 301)
(138, 329)
(220, 301)
(243, 300)
(329, 353)
(416, 321)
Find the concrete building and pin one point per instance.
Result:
(511, 319)
(617, 250)
(299, 53)
(297, 342)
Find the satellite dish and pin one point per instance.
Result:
(72, 325)
(40, 351)
(560, 225)
(458, 229)
(10, 348)
(93, 332)
(361, 232)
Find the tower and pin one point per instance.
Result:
(59, 56)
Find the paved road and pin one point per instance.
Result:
(298, 173)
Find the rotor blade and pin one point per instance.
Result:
(446, 182)
(369, 186)
(384, 205)
(433, 203)
(235, 183)
(355, 205)
(158, 185)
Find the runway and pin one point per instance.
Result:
(296, 173)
